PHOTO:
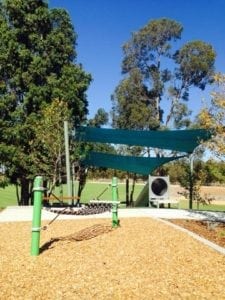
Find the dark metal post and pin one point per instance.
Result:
(127, 190)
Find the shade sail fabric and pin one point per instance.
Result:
(139, 165)
(177, 140)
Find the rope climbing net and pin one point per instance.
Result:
(88, 209)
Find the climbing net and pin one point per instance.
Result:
(87, 209)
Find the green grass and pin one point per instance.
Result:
(184, 204)
(93, 189)
(8, 196)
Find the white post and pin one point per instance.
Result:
(68, 180)
(191, 181)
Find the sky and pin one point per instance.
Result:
(103, 26)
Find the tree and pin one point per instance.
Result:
(37, 60)
(101, 118)
(155, 71)
(213, 117)
(163, 73)
(48, 148)
(131, 108)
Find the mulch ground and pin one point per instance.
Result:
(86, 259)
(212, 231)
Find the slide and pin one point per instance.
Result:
(142, 199)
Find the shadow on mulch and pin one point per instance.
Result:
(82, 235)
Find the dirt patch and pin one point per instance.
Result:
(217, 192)
(86, 259)
(212, 231)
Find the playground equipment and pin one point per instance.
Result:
(159, 191)
(36, 223)
(86, 210)
(158, 187)
(184, 141)
(155, 192)
(115, 203)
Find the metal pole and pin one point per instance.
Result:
(73, 184)
(68, 180)
(115, 221)
(191, 181)
(36, 223)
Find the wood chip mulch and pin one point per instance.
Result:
(87, 259)
(212, 231)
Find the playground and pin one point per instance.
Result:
(87, 259)
(133, 257)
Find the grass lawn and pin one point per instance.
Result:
(211, 207)
(92, 190)
(8, 196)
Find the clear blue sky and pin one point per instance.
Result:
(103, 26)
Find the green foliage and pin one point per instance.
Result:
(146, 46)
(101, 118)
(215, 172)
(37, 65)
(131, 106)
(213, 117)
(196, 64)
(47, 150)
(147, 56)
(209, 172)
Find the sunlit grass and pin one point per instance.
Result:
(93, 190)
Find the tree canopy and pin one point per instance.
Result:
(213, 117)
(38, 64)
(155, 70)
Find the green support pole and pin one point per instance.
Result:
(36, 223)
(115, 221)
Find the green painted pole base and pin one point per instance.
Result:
(36, 222)
(115, 220)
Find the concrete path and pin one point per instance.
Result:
(18, 214)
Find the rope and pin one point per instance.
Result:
(45, 227)
(103, 192)
(89, 209)
(57, 198)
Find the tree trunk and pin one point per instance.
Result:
(127, 190)
(31, 194)
(132, 191)
(25, 191)
(82, 182)
(17, 195)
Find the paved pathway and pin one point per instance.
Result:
(15, 213)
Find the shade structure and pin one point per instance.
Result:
(177, 140)
(134, 164)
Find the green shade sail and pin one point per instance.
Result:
(177, 140)
(139, 165)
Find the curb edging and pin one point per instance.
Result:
(197, 237)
